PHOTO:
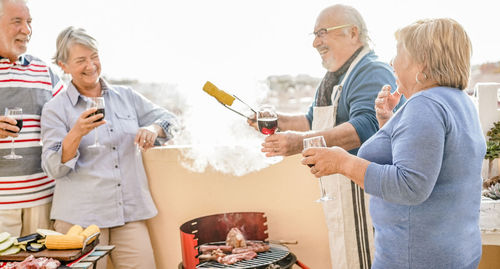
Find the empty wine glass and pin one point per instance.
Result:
(97, 102)
(317, 142)
(17, 114)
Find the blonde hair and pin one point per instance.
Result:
(67, 38)
(442, 47)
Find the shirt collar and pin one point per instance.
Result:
(22, 60)
(74, 94)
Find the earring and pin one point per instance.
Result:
(416, 77)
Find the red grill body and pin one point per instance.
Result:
(214, 228)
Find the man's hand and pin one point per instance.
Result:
(8, 124)
(283, 144)
(146, 136)
(85, 124)
(252, 121)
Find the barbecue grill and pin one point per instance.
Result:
(213, 230)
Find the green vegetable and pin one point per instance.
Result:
(11, 251)
(7, 243)
(4, 236)
(28, 238)
(35, 247)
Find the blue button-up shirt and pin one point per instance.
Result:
(106, 187)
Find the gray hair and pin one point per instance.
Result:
(67, 38)
(2, 1)
(349, 15)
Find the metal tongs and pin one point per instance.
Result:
(226, 99)
(96, 235)
(237, 112)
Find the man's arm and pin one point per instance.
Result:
(290, 142)
(289, 122)
(343, 135)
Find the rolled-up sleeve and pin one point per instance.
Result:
(54, 130)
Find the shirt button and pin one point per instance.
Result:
(111, 130)
(116, 166)
(119, 184)
(114, 148)
(119, 203)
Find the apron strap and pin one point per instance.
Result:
(337, 89)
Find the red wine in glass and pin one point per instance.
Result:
(17, 114)
(19, 125)
(98, 103)
(267, 120)
(267, 126)
(98, 111)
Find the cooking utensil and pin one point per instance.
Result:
(226, 99)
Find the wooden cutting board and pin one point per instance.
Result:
(61, 255)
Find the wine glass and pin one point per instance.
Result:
(17, 114)
(97, 102)
(317, 142)
(267, 119)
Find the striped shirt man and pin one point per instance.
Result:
(27, 83)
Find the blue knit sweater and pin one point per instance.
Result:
(357, 101)
(425, 183)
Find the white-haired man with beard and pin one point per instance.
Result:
(28, 83)
(343, 113)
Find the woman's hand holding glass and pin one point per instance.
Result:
(386, 102)
(87, 122)
(322, 161)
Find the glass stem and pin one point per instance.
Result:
(323, 192)
(95, 136)
(12, 153)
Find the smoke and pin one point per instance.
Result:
(217, 137)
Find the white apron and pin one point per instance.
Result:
(350, 228)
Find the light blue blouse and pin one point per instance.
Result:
(106, 187)
(425, 183)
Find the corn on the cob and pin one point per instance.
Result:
(75, 230)
(64, 241)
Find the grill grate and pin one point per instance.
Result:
(275, 254)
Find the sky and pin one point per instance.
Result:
(236, 45)
(236, 42)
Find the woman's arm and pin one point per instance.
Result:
(60, 147)
(417, 147)
(82, 127)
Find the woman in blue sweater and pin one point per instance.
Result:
(423, 167)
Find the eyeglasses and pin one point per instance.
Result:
(321, 32)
